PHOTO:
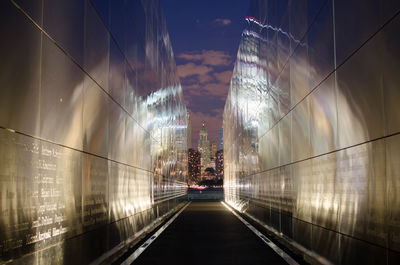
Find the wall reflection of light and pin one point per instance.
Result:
(106, 146)
(328, 181)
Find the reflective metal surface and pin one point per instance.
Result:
(92, 128)
(311, 127)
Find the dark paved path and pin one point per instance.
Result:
(207, 233)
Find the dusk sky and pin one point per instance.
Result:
(205, 37)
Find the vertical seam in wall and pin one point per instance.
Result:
(39, 118)
(82, 113)
(385, 130)
(385, 159)
(386, 200)
(335, 87)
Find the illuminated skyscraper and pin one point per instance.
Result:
(221, 139)
(219, 164)
(193, 166)
(204, 149)
(213, 150)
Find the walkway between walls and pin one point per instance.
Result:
(208, 233)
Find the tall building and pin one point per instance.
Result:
(204, 149)
(221, 139)
(219, 164)
(213, 150)
(194, 166)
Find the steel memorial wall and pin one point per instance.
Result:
(311, 127)
(92, 128)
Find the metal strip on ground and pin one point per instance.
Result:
(267, 241)
(146, 244)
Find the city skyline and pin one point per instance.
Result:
(100, 108)
(205, 42)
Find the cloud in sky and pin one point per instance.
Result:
(205, 77)
(223, 21)
(191, 69)
(224, 77)
(214, 89)
(207, 57)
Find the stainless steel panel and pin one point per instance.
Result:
(130, 191)
(303, 186)
(61, 98)
(321, 46)
(59, 191)
(95, 119)
(267, 192)
(275, 197)
(19, 209)
(131, 96)
(325, 200)
(299, 75)
(273, 147)
(56, 201)
(393, 191)
(339, 197)
(272, 56)
(256, 193)
(302, 233)
(326, 243)
(116, 135)
(42, 187)
(354, 251)
(273, 107)
(34, 8)
(287, 224)
(271, 11)
(391, 79)
(301, 142)
(283, 41)
(117, 84)
(97, 47)
(119, 186)
(361, 187)
(262, 153)
(323, 118)
(283, 85)
(116, 207)
(20, 73)
(64, 22)
(354, 24)
(298, 21)
(95, 194)
(103, 8)
(285, 140)
(129, 140)
(117, 18)
(288, 193)
(360, 109)
(393, 257)
(134, 33)
(388, 10)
